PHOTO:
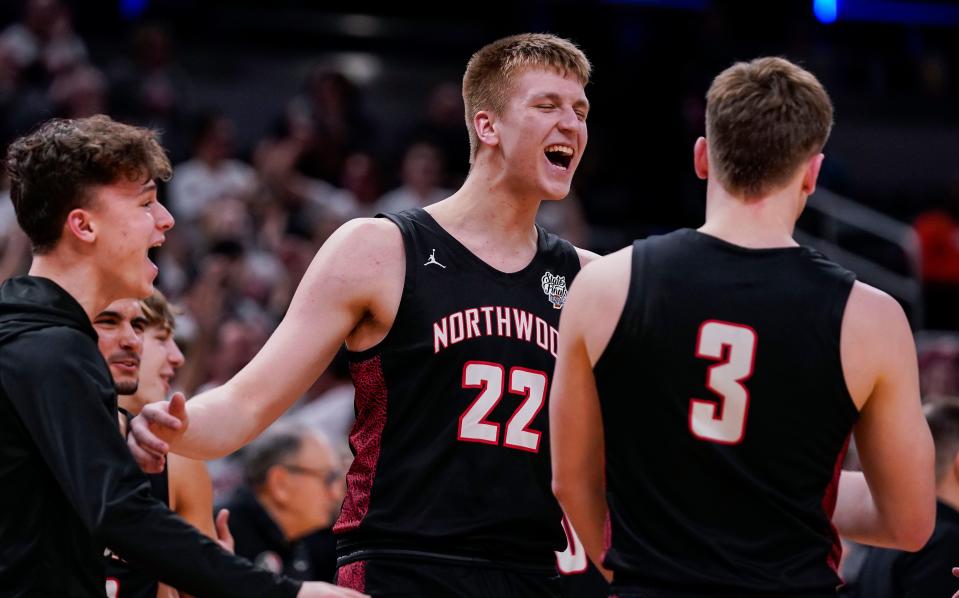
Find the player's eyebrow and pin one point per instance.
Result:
(147, 187)
(108, 315)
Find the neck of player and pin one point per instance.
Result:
(78, 277)
(757, 223)
(491, 219)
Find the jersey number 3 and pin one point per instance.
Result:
(734, 346)
(491, 378)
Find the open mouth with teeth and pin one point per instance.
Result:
(559, 155)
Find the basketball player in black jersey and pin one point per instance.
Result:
(450, 315)
(719, 372)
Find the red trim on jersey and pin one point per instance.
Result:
(352, 576)
(829, 506)
(365, 440)
(607, 535)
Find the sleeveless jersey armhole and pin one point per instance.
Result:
(630, 323)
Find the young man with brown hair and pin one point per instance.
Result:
(85, 193)
(449, 314)
(708, 380)
(136, 340)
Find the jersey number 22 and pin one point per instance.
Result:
(491, 378)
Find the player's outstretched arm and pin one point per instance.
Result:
(893, 503)
(576, 429)
(358, 270)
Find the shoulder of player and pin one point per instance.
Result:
(377, 241)
(32, 348)
(585, 256)
(602, 284)
(884, 343)
(867, 305)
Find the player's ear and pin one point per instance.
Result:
(81, 225)
(484, 123)
(701, 158)
(278, 483)
(811, 174)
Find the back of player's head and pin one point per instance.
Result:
(942, 414)
(53, 169)
(158, 311)
(763, 120)
(492, 70)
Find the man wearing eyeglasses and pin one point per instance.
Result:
(294, 490)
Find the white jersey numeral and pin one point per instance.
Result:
(490, 377)
(726, 380)
(572, 560)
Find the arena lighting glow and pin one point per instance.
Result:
(826, 10)
(132, 9)
(941, 14)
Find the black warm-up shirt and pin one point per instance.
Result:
(69, 487)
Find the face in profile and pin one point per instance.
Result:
(120, 330)
(128, 222)
(542, 132)
(160, 359)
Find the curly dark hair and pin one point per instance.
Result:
(53, 168)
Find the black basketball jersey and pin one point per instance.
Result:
(451, 436)
(123, 580)
(726, 418)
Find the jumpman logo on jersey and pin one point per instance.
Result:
(432, 260)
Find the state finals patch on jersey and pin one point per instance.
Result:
(555, 289)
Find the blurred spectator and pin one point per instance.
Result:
(14, 244)
(938, 231)
(295, 490)
(421, 174)
(211, 173)
(43, 43)
(79, 92)
(565, 218)
(361, 177)
(329, 410)
(334, 106)
(444, 127)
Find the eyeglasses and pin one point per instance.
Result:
(328, 477)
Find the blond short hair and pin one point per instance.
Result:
(491, 71)
(763, 119)
(158, 312)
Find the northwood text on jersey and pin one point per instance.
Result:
(507, 322)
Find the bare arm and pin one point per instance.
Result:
(191, 493)
(576, 429)
(893, 502)
(356, 276)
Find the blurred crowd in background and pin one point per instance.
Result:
(285, 121)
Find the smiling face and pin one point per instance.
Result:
(542, 132)
(160, 359)
(128, 221)
(120, 339)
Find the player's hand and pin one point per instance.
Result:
(318, 589)
(154, 428)
(223, 536)
(955, 573)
